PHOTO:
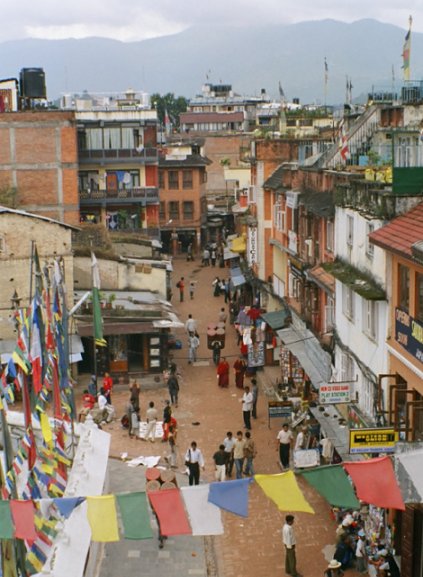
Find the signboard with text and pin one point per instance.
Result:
(409, 333)
(305, 458)
(279, 409)
(380, 440)
(331, 394)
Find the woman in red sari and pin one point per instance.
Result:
(223, 373)
(239, 369)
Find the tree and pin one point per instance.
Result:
(170, 104)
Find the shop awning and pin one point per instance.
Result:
(237, 278)
(86, 330)
(375, 482)
(304, 345)
(333, 484)
(238, 244)
(276, 319)
(408, 470)
(228, 254)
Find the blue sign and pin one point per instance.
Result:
(409, 333)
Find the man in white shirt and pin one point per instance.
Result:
(194, 460)
(284, 438)
(247, 405)
(289, 540)
(190, 325)
(106, 411)
(152, 416)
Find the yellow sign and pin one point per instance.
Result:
(380, 440)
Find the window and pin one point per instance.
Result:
(161, 179)
(329, 235)
(187, 179)
(419, 297)
(350, 230)
(173, 179)
(348, 302)
(162, 211)
(278, 286)
(279, 218)
(347, 368)
(188, 209)
(370, 249)
(111, 137)
(174, 210)
(329, 315)
(370, 318)
(135, 178)
(404, 287)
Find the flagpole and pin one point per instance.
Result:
(326, 81)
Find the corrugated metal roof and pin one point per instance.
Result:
(319, 203)
(7, 210)
(274, 182)
(401, 233)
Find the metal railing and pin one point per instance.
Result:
(148, 153)
(129, 194)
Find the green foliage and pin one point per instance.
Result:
(171, 104)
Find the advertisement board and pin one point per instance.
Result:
(380, 440)
(331, 394)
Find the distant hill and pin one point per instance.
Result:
(249, 59)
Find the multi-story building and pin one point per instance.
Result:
(183, 205)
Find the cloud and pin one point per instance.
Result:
(139, 19)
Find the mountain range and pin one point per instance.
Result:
(367, 51)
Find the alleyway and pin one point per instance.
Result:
(250, 547)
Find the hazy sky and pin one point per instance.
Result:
(139, 19)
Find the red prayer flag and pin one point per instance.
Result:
(23, 519)
(170, 512)
(375, 482)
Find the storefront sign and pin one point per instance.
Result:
(378, 440)
(279, 410)
(304, 459)
(330, 394)
(409, 334)
(252, 245)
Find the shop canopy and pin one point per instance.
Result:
(333, 484)
(314, 360)
(276, 319)
(228, 254)
(375, 482)
(237, 278)
(409, 472)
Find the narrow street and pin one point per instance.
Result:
(250, 547)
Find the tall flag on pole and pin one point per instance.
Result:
(406, 51)
(343, 142)
(98, 321)
(281, 92)
(326, 72)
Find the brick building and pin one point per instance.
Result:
(39, 163)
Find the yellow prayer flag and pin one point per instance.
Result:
(102, 518)
(283, 490)
(46, 430)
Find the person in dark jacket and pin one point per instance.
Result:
(173, 387)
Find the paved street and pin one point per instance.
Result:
(250, 547)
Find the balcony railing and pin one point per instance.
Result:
(125, 195)
(150, 232)
(121, 154)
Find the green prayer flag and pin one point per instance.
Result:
(134, 515)
(333, 484)
(6, 523)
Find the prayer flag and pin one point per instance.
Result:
(102, 518)
(6, 524)
(406, 52)
(231, 496)
(170, 512)
(333, 484)
(375, 482)
(97, 320)
(23, 519)
(134, 515)
(46, 429)
(204, 516)
(67, 505)
(284, 491)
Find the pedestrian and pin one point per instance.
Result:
(194, 460)
(289, 540)
(173, 388)
(249, 454)
(216, 346)
(216, 287)
(254, 390)
(108, 387)
(227, 291)
(191, 290)
(181, 286)
(151, 415)
(189, 252)
(206, 257)
(300, 440)
(240, 367)
(213, 256)
(190, 325)
(228, 443)
(284, 438)
(360, 552)
(220, 458)
(239, 454)
(223, 373)
(193, 344)
(334, 569)
(167, 414)
(222, 286)
(222, 316)
(92, 386)
(134, 398)
(172, 442)
(247, 405)
(133, 422)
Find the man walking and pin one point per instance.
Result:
(249, 454)
(190, 325)
(220, 458)
(239, 454)
(228, 443)
(193, 343)
(173, 387)
(151, 414)
(288, 538)
(247, 405)
(181, 286)
(284, 438)
(194, 460)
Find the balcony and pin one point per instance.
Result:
(142, 196)
(122, 155)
